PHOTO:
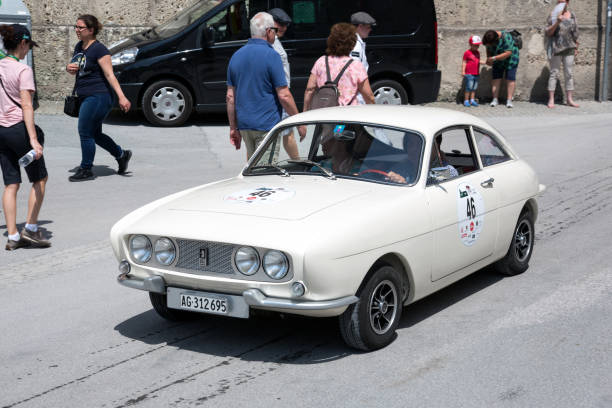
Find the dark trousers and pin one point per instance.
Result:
(94, 109)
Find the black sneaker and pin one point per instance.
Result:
(13, 245)
(82, 175)
(123, 161)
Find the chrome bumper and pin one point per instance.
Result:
(154, 284)
(253, 297)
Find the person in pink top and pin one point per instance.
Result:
(340, 43)
(18, 136)
(470, 69)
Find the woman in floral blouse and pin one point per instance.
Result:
(562, 31)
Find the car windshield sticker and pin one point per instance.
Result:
(260, 195)
(470, 212)
(339, 129)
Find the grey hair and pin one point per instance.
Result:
(259, 23)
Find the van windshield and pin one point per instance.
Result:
(185, 18)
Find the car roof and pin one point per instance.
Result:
(419, 118)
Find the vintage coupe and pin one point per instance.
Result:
(377, 207)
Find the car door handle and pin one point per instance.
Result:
(290, 51)
(488, 183)
(183, 59)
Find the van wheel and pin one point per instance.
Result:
(370, 323)
(517, 259)
(389, 92)
(159, 303)
(167, 103)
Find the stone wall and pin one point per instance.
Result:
(53, 20)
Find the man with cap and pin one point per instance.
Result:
(363, 23)
(281, 22)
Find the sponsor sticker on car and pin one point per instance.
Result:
(260, 195)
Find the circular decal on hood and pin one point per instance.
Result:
(259, 195)
(470, 212)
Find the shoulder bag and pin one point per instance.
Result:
(72, 103)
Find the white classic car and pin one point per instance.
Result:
(377, 207)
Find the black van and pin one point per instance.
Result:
(181, 65)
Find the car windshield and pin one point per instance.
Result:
(341, 150)
(185, 18)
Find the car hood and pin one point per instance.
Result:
(273, 197)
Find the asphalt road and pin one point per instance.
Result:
(72, 337)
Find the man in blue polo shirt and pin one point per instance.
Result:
(256, 86)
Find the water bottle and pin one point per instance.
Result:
(27, 158)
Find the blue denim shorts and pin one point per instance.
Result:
(498, 73)
(471, 82)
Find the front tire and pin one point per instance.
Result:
(389, 92)
(167, 103)
(370, 323)
(517, 259)
(160, 304)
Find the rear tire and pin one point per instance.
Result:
(159, 303)
(517, 259)
(167, 103)
(389, 92)
(370, 323)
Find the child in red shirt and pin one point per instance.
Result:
(470, 70)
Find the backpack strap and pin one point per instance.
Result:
(9, 96)
(342, 72)
(327, 70)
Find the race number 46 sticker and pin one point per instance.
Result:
(260, 195)
(470, 213)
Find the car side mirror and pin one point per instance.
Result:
(209, 36)
(439, 174)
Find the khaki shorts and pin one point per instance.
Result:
(252, 139)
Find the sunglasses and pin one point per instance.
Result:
(275, 29)
(80, 28)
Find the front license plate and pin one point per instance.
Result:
(207, 302)
(217, 305)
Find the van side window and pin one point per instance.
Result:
(491, 152)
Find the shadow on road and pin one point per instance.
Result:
(136, 118)
(432, 304)
(290, 339)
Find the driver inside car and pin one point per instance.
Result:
(339, 155)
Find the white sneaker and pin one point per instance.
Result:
(494, 102)
(509, 104)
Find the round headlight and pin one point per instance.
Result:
(165, 252)
(247, 260)
(275, 264)
(140, 248)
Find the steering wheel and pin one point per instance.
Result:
(374, 172)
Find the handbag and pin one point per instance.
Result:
(72, 103)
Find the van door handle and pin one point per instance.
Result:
(290, 51)
(488, 183)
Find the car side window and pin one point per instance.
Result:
(451, 155)
(490, 151)
(230, 24)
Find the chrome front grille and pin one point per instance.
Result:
(205, 256)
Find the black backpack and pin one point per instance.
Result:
(327, 95)
(517, 37)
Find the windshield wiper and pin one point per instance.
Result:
(284, 172)
(327, 172)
